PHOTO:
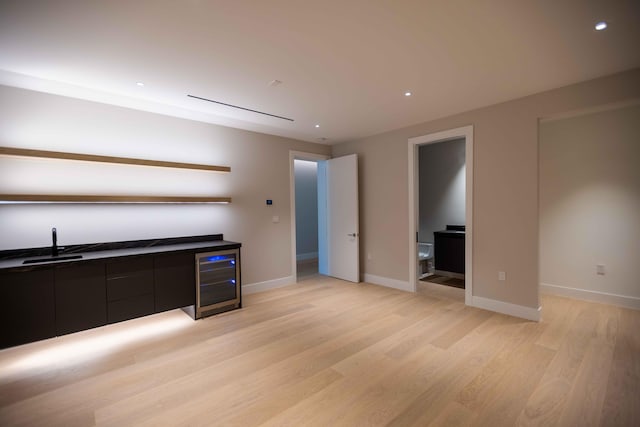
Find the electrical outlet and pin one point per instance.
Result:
(600, 269)
(502, 275)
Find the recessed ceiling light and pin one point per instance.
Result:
(601, 26)
(140, 84)
(317, 126)
(407, 94)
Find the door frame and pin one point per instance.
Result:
(465, 132)
(297, 155)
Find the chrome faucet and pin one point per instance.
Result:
(54, 238)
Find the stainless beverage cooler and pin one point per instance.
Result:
(217, 282)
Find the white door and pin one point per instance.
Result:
(341, 259)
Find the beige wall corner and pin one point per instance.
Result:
(505, 223)
(590, 205)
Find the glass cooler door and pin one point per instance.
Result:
(217, 280)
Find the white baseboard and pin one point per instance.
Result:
(595, 296)
(389, 283)
(521, 311)
(306, 256)
(480, 302)
(253, 288)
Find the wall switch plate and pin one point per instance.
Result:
(502, 275)
(600, 269)
(275, 219)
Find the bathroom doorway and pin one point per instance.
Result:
(440, 210)
(441, 213)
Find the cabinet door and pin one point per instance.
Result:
(27, 306)
(129, 288)
(81, 297)
(175, 281)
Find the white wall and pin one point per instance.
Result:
(505, 193)
(259, 171)
(442, 187)
(590, 202)
(306, 177)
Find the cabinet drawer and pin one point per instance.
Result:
(129, 266)
(130, 308)
(129, 278)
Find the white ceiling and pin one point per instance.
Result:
(344, 64)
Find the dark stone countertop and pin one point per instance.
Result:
(450, 232)
(11, 259)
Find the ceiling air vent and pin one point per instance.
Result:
(240, 108)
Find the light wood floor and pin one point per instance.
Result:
(307, 269)
(329, 353)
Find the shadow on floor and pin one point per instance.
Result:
(444, 280)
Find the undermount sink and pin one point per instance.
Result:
(51, 259)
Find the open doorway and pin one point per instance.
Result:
(441, 213)
(337, 228)
(306, 207)
(306, 214)
(589, 204)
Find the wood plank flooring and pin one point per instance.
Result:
(331, 353)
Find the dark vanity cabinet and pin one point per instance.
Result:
(129, 288)
(449, 249)
(27, 306)
(174, 280)
(81, 301)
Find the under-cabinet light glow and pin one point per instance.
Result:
(10, 202)
(77, 348)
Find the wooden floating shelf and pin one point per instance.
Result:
(76, 198)
(9, 151)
